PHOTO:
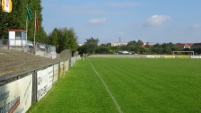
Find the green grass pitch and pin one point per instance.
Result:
(138, 86)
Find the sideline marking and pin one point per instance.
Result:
(108, 90)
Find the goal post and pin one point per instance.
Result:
(192, 52)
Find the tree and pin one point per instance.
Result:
(82, 49)
(157, 49)
(136, 47)
(165, 48)
(139, 43)
(131, 45)
(52, 38)
(63, 39)
(148, 48)
(103, 49)
(72, 42)
(115, 49)
(91, 45)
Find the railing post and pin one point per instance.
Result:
(34, 87)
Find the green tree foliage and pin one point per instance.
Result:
(103, 49)
(165, 48)
(115, 49)
(82, 49)
(72, 42)
(91, 45)
(53, 37)
(17, 19)
(132, 45)
(63, 39)
(157, 49)
(137, 47)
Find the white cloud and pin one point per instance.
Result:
(98, 20)
(197, 26)
(157, 20)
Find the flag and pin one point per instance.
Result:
(6, 6)
(36, 22)
(28, 13)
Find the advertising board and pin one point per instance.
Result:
(66, 65)
(61, 69)
(16, 96)
(44, 81)
(56, 73)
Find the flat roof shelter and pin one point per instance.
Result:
(17, 37)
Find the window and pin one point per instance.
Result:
(23, 34)
(18, 35)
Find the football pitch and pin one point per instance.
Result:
(126, 85)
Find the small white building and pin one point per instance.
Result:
(17, 37)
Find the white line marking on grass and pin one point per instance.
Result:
(108, 90)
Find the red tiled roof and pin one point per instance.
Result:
(17, 30)
(179, 44)
(184, 45)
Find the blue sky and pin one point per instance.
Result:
(153, 21)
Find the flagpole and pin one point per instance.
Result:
(35, 32)
(27, 21)
(34, 37)
(26, 31)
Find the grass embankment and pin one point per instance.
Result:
(138, 85)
